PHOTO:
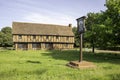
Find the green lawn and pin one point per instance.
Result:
(51, 65)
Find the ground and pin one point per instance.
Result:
(51, 65)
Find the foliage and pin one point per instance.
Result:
(6, 37)
(1, 38)
(76, 37)
(51, 65)
(103, 27)
(97, 31)
(6, 30)
(113, 13)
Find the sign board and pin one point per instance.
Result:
(81, 25)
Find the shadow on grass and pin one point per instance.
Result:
(36, 72)
(73, 55)
(16, 73)
(4, 51)
(6, 74)
(35, 62)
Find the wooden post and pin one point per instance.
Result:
(16, 46)
(80, 58)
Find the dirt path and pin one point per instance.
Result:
(101, 51)
(108, 51)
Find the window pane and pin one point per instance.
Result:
(20, 46)
(56, 37)
(67, 38)
(19, 36)
(47, 37)
(34, 37)
(34, 45)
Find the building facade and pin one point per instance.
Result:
(33, 36)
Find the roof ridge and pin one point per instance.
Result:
(40, 23)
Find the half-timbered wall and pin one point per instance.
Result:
(57, 42)
(39, 38)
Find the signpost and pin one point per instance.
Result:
(81, 64)
(81, 29)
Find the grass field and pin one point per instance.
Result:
(51, 65)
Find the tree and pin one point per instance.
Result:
(1, 38)
(98, 30)
(92, 24)
(103, 28)
(6, 30)
(113, 13)
(6, 37)
(76, 36)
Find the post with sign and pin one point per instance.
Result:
(81, 29)
(81, 64)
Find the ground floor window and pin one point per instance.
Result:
(23, 46)
(48, 45)
(66, 45)
(36, 45)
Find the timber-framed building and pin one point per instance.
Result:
(34, 36)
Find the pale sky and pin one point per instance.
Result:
(61, 12)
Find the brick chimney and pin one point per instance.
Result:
(70, 25)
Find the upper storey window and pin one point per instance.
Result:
(19, 36)
(67, 38)
(57, 37)
(47, 37)
(34, 37)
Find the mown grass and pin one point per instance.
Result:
(51, 65)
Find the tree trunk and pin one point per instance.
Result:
(93, 47)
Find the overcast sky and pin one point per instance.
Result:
(60, 12)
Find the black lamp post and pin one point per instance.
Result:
(81, 29)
